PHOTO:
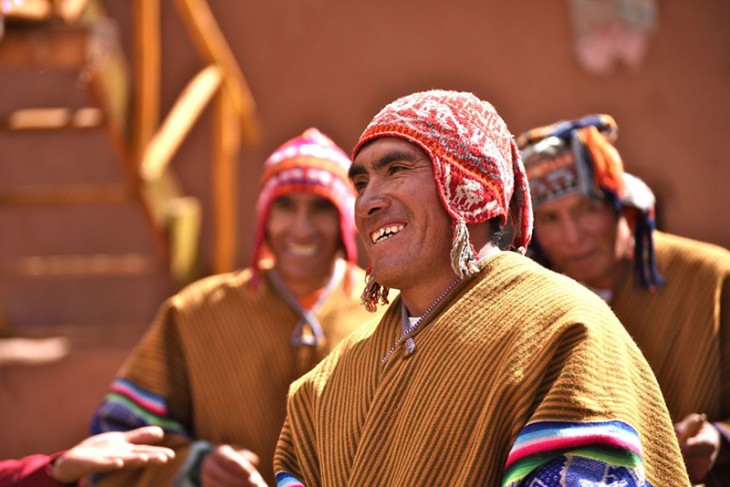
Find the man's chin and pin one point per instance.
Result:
(386, 281)
(380, 277)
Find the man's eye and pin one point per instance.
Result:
(593, 207)
(396, 168)
(546, 218)
(359, 184)
(323, 204)
(283, 203)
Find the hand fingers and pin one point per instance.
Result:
(145, 434)
(233, 461)
(689, 426)
(705, 443)
(138, 457)
(225, 466)
(248, 455)
(700, 452)
(153, 454)
(214, 475)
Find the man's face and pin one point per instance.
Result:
(303, 232)
(404, 227)
(584, 239)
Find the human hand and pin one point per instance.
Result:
(699, 442)
(227, 466)
(112, 451)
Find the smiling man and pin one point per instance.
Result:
(595, 223)
(214, 368)
(488, 369)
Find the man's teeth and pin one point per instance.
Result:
(385, 233)
(303, 250)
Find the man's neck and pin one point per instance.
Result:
(488, 251)
(612, 279)
(418, 301)
(309, 285)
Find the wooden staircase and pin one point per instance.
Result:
(79, 43)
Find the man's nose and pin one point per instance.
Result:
(370, 201)
(302, 223)
(572, 232)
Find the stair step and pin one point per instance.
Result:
(89, 300)
(77, 194)
(40, 119)
(78, 336)
(56, 46)
(94, 265)
(27, 10)
(42, 10)
(70, 10)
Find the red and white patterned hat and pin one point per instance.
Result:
(476, 163)
(311, 163)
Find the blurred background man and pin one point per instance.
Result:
(595, 223)
(214, 368)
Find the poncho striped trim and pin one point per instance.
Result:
(284, 479)
(614, 443)
(127, 405)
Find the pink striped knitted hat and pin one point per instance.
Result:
(311, 163)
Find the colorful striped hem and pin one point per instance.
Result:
(154, 403)
(128, 405)
(612, 442)
(169, 425)
(284, 479)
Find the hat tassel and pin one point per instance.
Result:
(373, 293)
(463, 261)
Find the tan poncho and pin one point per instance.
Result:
(683, 329)
(517, 344)
(216, 365)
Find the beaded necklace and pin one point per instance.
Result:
(407, 329)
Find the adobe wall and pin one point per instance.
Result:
(333, 64)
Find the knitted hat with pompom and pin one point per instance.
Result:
(310, 163)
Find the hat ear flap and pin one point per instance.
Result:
(520, 205)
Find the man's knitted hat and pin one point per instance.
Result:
(577, 156)
(310, 163)
(476, 164)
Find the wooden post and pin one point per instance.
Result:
(179, 121)
(212, 46)
(146, 102)
(226, 147)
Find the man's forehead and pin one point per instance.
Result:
(564, 202)
(299, 195)
(389, 148)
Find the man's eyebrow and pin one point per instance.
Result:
(355, 171)
(394, 156)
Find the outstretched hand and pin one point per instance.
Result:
(112, 451)
(699, 442)
(227, 466)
